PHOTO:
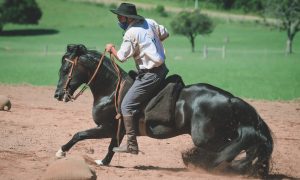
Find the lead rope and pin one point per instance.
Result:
(117, 97)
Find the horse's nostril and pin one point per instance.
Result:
(57, 96)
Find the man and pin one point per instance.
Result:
(142, 41)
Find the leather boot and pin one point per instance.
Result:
(131, 146)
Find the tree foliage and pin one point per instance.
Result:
(19, 12)
(223, 4)
(160, 9)
(191, 24)
(245, 5)
(288, 14)
(249, 5)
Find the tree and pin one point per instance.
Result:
(160, 9)
(288, 14)
(190, 24)
(19, 12)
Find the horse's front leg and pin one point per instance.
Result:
(94, 133)
(113, 143)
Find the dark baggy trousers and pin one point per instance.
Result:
(145, 85)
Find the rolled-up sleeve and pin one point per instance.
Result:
(127, 48)
(162, 31)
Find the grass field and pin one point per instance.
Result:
(254, 66)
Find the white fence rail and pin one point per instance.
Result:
(221, 50)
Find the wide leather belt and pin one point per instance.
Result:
(153, 70)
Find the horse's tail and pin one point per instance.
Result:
(254, 140)
(264, 150)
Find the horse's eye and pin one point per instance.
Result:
(64, 69)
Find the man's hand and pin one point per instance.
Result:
(112, 50)
(109, 47)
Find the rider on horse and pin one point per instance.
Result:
(142, 41)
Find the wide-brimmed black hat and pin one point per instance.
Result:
(127, 10)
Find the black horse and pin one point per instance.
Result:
(221, 125)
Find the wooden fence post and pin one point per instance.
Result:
(46, 50)
(205, 52)
(223, 52)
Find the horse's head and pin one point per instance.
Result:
(73, 72)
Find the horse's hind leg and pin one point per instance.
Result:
(201, 130)
(206, 141)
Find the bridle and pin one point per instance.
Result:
(74, 63)
(66, 92)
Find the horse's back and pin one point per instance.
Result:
(220, 106)
(205, 108)
(203, 98)
(207, 90)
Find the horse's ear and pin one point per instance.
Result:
(81, 49)
(74, 50)
(71, 48)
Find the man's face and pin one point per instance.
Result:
(121, 19)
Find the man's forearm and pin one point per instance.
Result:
(114, 52)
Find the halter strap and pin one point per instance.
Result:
(74, 63)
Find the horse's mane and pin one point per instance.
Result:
(91, 59)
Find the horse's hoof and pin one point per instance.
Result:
(60, 154)
(99, 162)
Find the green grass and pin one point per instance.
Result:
(255, 65)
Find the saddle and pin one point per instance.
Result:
(161, 108)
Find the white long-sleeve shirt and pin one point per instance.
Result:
(142, 41)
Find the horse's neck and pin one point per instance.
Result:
(104, 86)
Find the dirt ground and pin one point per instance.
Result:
(37, 125)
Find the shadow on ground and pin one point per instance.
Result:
(159, 168)
(29, 32)
(281, 177)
